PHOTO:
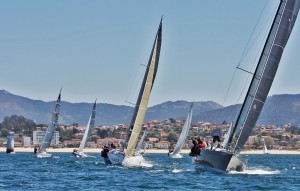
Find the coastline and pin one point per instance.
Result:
(185, 151)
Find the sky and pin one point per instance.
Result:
(97, 49)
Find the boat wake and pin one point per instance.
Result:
(255, 171)
(136, 161)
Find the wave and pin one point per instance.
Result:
(136, 161)
(254, 171)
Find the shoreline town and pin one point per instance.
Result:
(156, 151)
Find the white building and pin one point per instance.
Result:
(38, 137)
(26, 141)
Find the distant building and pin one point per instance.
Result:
(39, 135)
(26, 141)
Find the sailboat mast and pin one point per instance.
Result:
(265, 71)
(143, 98)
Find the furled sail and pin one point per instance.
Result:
(184, 132)
(88, 130)
(51, 127)
(265, 72)
(143, 98)
(139, 146)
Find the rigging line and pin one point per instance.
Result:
(252, 33)
(254, 61)
(240, 61)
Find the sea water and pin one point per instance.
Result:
(22, 171)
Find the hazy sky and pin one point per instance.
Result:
(96, 49)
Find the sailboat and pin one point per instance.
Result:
(116, 156)
(227, 159)
(265, 149)
(139, 146)
(183, 135)
(10, 144)
(42, 151)
(91, 123)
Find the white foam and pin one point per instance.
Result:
(177, 170)
(256, 171)
(136, 161)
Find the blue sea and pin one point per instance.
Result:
(22, 171)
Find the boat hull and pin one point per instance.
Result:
(175, 156)
(9, 151)
(219, 161)
(43, 155)
(115, 158)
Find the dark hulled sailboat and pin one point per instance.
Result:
(227, 159)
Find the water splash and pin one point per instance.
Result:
(177, 170)
(254, 171)
(136, 161)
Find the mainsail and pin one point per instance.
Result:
(51, 127)
(143, 98)
(88, 130)
(139, 146)
(265, 72)
(184, 132)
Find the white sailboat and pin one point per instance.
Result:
(42, 151)
(183, 135)
(265, 149)
(139, 146)
(117, 156)
(228, 159)
(89, 128)
(10, 144)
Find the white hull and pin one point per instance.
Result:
(115, 157)
(175, 156)
(43, 155)
(80, 154)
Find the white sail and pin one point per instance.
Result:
(184, 132)
(51, 127)
(265, 150)
(144, 95)
(88, 130)
(226, 137)
(139, 146)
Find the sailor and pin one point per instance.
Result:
(113, 146)
(216, 139)
(104, 151)
(74, 152)
(35, 150)
(195, 149)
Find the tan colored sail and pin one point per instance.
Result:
(142, 103)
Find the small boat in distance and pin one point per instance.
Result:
(227, 159)
(265, 149)
(183, 135)
(115, 156)
(42, 151)
(10, 144)
(89, 128)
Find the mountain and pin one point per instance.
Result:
(107, 114)
(278, 110)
